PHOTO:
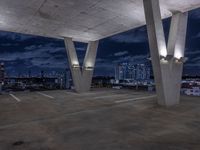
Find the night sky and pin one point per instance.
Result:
(23, 53)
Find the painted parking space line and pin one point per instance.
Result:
(14, 97)
(135, 99)
(110, 95)
(72, 93)
(45, 95)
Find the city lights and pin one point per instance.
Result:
(131, 71)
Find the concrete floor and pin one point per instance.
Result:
(98, 120)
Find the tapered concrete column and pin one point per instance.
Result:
(88, 64)
(82, 76)
(167, 61)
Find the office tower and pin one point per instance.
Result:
(131, 71)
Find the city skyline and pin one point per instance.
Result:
(22, 53)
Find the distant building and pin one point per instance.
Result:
(2, 72)
(119, 72)
(129, 71)
(67, 79)
(42, 74)
(2, 76)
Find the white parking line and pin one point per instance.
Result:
(72, 93)
(94, 93)
(16, 98)
(45, 95)
(134, 99)
(108, 96)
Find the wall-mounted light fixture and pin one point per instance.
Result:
(181, 59)
(171, 57)
(89, 68)
(75, 66)
(166, 58)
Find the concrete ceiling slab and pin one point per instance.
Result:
(83, 20)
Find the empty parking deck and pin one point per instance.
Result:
(97, 120)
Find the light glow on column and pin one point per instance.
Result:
(89, 64)
(75, 63)
(178, 54)
(179, 51)
(163, 52)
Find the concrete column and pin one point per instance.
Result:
(88, 64)
(167, 61)
(73, 64)
(82, 76)
(177, 35)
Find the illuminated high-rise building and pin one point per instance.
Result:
(131, 71)
(119, 72)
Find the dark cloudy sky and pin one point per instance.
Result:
(22, 53)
